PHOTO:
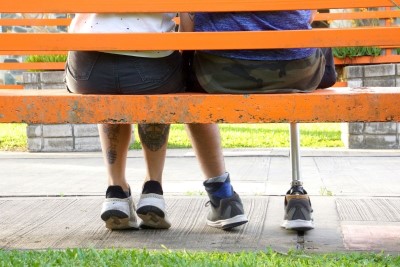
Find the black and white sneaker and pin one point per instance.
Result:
(226, 213)
(298, 211)
(118, 210)
(151, 209)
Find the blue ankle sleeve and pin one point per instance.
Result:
(224, 191)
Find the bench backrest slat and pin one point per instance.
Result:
(210, 40)
(124, 6)
(383, 14)
(33, 66)
(35, 22)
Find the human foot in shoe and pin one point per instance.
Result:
(118, 210)
(151, 207)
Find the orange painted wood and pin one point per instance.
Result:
(202, 40)
(11, 86)
(33, 66)
(345, 61)
(333, 105)
(358, 15)
(35, 22)
(123, 6)
(384, 59)
(28, 52)
(340, 84)
(319, 16)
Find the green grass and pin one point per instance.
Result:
(350, 52)
(13, 136)
(46, 58)
(263, 135)
(125, 257)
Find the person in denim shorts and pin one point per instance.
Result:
(128, 72)
(255, 71)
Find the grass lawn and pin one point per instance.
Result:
(13, 136)
(125, 257)
(263, 135)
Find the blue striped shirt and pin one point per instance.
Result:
(256, 21)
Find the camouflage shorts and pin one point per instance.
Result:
(232, 76)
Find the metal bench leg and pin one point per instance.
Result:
(295, 154)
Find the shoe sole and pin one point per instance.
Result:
(229, 223)
(152, 218)
(298, 225)
(117, 220)
(116, 223)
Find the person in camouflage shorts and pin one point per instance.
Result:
(255, 71)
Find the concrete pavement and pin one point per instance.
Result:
(53, 200)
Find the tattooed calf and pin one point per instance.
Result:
(153, 136)
(112, 130)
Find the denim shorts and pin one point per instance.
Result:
(92, 72)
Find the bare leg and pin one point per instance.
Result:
(154, 138)
(115, 140)
(206, 142)
(118, 210)
(226, 208)
(151, 205)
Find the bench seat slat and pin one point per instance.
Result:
(333, 105)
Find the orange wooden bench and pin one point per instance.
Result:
(331, 105)
(387, 14)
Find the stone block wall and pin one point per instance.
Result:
(376, 135)
(58, 137)
(63, 137)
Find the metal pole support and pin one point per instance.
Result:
(295, 154)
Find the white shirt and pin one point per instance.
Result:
(125, 23)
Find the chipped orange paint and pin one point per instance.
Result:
(333, 105)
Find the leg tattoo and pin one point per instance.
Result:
(153, 136)
(112, 131)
